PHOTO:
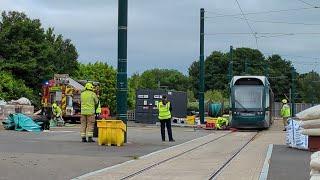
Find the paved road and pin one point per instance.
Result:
(61, 155)
(289, 164)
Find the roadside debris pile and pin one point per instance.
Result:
(19, 115)
(22, 105)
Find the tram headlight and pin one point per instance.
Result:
(260, 113)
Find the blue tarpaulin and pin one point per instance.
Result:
(21, 122)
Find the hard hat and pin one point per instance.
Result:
(89, 86)
(284, 101)
(54, 105)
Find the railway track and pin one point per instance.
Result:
(225, 164)
(213, 175)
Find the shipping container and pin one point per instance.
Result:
(146, 110)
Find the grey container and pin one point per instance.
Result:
(146, 111)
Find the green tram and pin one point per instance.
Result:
(251, 102)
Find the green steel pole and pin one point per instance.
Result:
(313, 85)
(201, 70)
(293, 92)
(246, 67)
(266, 70)
(122, 84)
(230, 69)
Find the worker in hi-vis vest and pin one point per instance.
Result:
(165, 108)
(57, 115)
(89, 103)
(285, 113)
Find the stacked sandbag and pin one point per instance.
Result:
(311, 127)
(310, 121)
(309, 114)
(294, 137)
(315, 166)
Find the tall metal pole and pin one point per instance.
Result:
(201, 71)
(122, 84)
(313, 87)
(246, 66)
(293, 91)
(266, 70)
(230, 69)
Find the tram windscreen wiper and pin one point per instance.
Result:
(241, 105)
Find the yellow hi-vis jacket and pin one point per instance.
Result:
(285, 111)
(56, 111)
(89, 101)
(164, 111)
(98, 110)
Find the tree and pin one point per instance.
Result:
(194, 77)
(214, 96)
(11, 88)
(245, 61)
(279, 76)
(166, 78)
(106, 76)
(308, 84)
(190, 96)
(31, 53)
(133, 85)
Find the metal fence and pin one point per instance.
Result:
(131, 115)
(299, 107)
(276, 113)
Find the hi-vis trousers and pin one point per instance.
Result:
(87, 125)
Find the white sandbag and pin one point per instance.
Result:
(315, 177)
(309, 114)
(311, 132)
(21, 101)
(315, 155)
(2, 102)
(311, 124)
(315, 164)
(294, 138)
(314, 172)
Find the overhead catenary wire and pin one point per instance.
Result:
(263, 12)
(271, 22)
(250, 27)
(257, 35)
(263, 33)
(309, 4)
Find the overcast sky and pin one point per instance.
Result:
(165, 33)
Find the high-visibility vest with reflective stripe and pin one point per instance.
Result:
(285, 111)
(56, 111)
(89, 100)
(164, 111)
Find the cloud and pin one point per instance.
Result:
(165, 34)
